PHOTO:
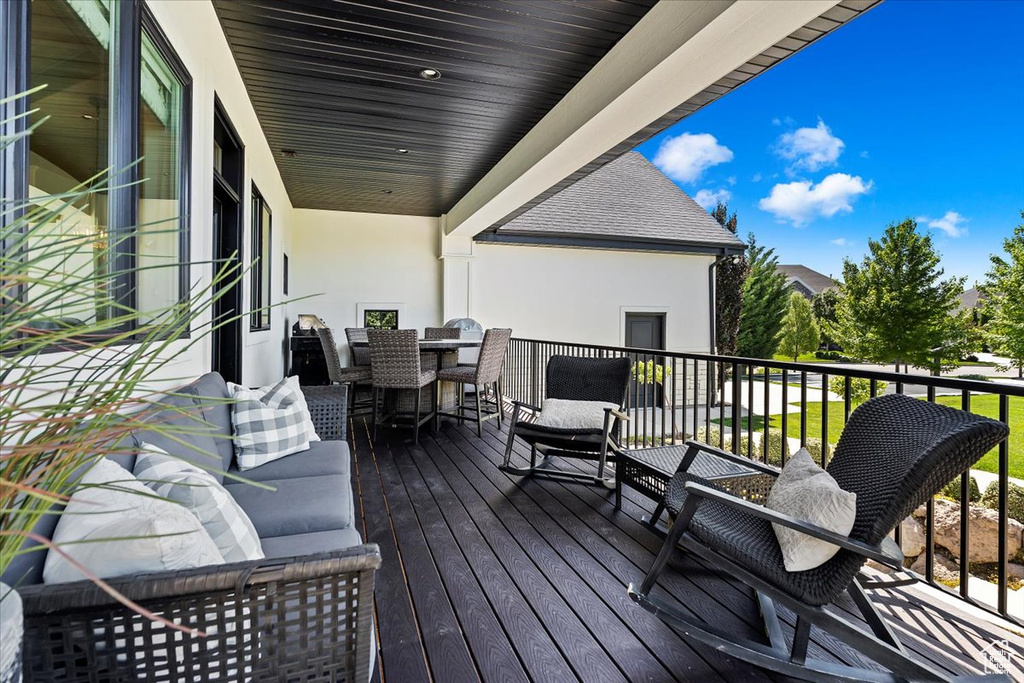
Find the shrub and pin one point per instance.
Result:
(813, 447)
(1014, 499)
(777, 445)
(833, 355)
(952, 490)
(970, 358)
(860, 388)
(975, 376)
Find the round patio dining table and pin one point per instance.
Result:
(447, 353)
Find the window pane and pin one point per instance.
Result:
(260, 256)
(265, 267)
(160, 220)
(69, 54)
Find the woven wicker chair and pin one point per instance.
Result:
(895, 453)
(353, 375)
(395, 363)
(486, 373)
(359, 355)
(580, 379)
(435, 333)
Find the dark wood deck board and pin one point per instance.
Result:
(490, 577)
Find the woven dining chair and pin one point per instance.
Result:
(395, 365)
(360, 355)
(353, 375)
(486, 373)
(435, 333)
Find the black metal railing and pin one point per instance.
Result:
(745, 405)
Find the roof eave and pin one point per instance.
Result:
(611, 243)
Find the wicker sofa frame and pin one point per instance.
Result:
(303, 618)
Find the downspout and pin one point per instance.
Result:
(712, 308)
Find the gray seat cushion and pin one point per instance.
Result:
(322, 458)
(315, 542)
(296, 506)
(216, 409)
(192, 438)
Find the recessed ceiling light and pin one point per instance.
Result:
(88, 117)
(386, 191)
(401, 150)
(289, 153)
(429, 74)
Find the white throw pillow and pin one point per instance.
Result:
(194, 488)
(807, 492)
(560, 413)
(266, 425)
(127, 529)
(291, 387)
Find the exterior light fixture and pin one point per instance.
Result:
(289, 153)
(401, 150)
(429, 74)
(386, 191)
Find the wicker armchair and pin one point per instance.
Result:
(395, 363)
(895, 453)
(486, 373)
(306, 618)
(353, 375)
(435, 333)
(359, 355)
(580, 379)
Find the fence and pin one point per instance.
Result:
(757, 407)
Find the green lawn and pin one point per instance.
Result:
(803, 358)
(987, 405)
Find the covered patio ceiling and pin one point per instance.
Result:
(531, 95)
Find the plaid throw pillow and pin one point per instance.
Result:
(266, 425)
(182, 482)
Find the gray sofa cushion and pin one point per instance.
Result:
(217, 411)
(296, 506)
(315, 542)
(194, 442)
(323, 457)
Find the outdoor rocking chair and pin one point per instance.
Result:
(895, 453)
(574, 379)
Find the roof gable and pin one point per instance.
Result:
(628, 203)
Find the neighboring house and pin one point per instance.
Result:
(808, 282)
(971, 300)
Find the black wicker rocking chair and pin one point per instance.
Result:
(579, 379)
(895, 453)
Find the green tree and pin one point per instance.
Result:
(730, 275)
(764, 303)
(824, 307)
(800, 333)
(895, 306)
(1005, 303)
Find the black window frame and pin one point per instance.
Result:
(261, 274)
(131, 18)
(378, 311)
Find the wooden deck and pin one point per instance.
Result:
(488, 577)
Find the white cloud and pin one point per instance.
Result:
(864, 154)
(756, 178)
(801, 201)
(731, 180)
(839, 241)
(776, 121)
(810, 148)
(949, 224)
(685, 157)
(710, 198)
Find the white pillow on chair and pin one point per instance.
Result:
(560, 413)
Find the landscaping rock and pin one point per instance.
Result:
(911, 537)
(945, 568)
(1015, 571)
(984, 530)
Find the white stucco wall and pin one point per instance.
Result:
(346, 259)
(582, 295)
(194, 31)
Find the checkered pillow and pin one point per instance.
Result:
(182, 482)
(266, 425)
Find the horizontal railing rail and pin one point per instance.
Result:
(765, 409)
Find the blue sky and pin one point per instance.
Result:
(916, 109)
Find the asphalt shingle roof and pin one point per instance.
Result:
(628, 200)
(812, 278)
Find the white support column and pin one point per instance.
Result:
(457, 255)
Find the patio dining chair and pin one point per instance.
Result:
(577, 381)
(895, 453)
(486, 373)
(435, 333)
(395, 364)
(359, 355)
(353, 375)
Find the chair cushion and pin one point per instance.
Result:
(805, 491)
(198, 492)
(314, 542)
(568, 414)
(461, 373)
(570, 440)
(128, 529)
(322, 458)
(296, 506)
(181, 429)
(267, 425)
(211, 392)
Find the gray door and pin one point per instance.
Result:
(646, 331)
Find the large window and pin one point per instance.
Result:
(260, 272)
(111, 113)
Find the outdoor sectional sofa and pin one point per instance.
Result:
(302, 613)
